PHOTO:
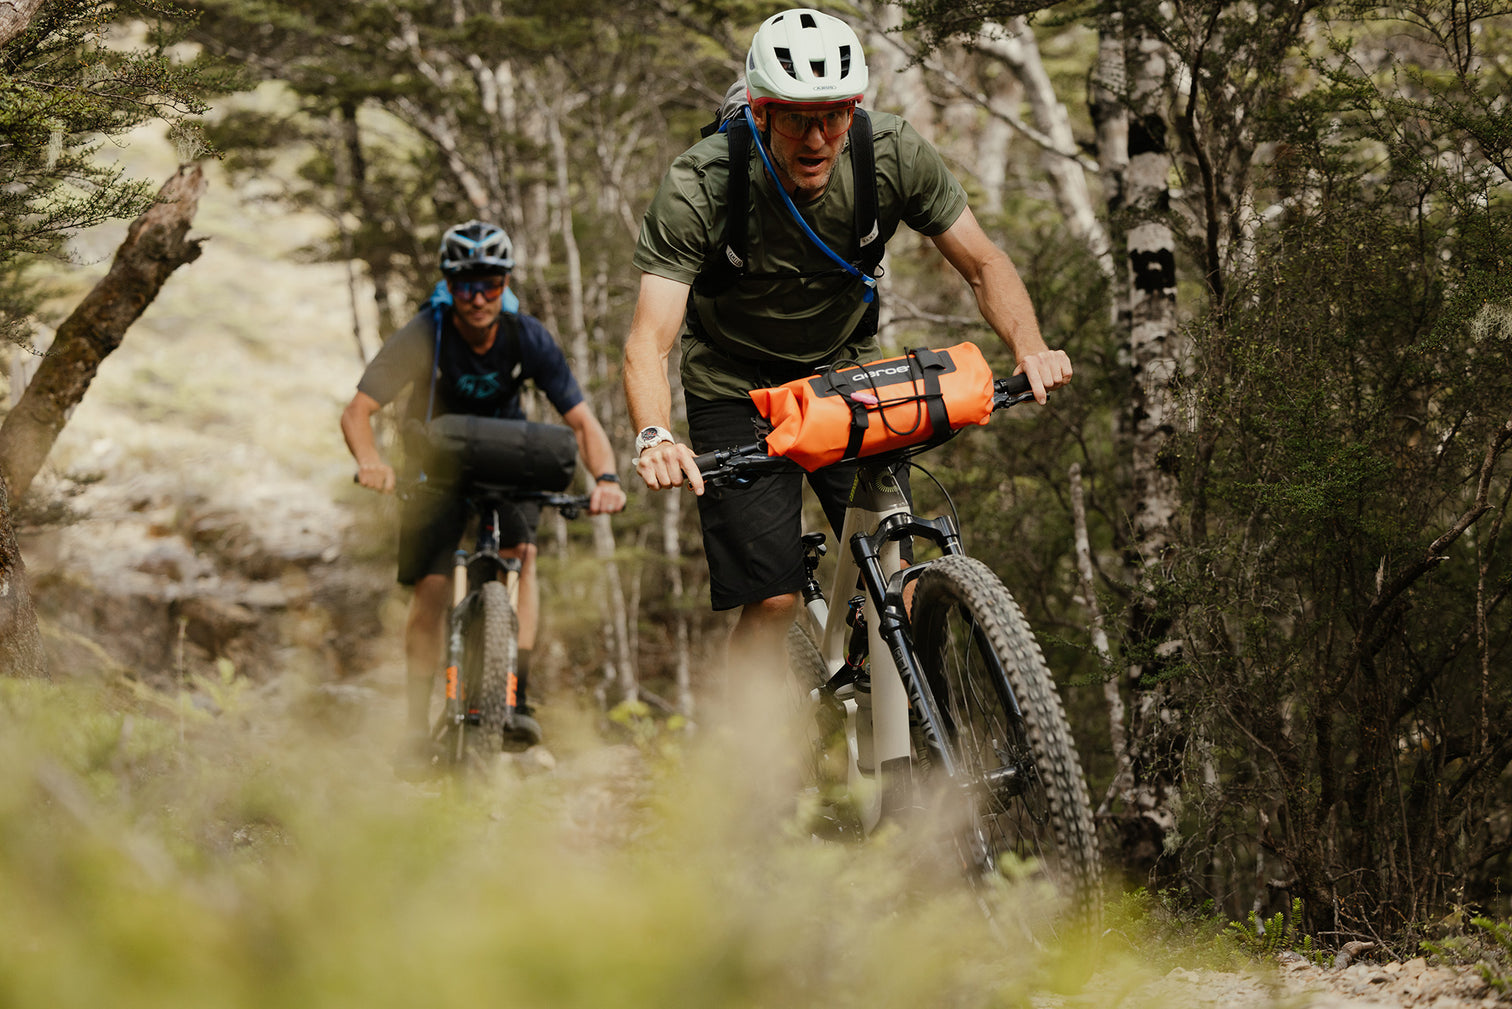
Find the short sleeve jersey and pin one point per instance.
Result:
(792, 305)
(483, 385)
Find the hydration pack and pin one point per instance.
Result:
(856, 410)
(728, 264)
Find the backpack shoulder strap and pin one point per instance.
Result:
(864, 164)
(438, 316)
(728, 262)
(509, 332)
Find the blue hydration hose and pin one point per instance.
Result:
(870, 282)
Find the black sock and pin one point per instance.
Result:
(522, 675)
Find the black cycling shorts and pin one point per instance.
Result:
(752, 534)
(431, 527)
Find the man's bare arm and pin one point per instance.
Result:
(658, 319)
(357, 429)
(598, 456)
(1003, 301)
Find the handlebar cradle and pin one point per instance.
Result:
(746, 461)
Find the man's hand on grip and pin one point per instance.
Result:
(669, 465)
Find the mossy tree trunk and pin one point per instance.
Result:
(20, 640)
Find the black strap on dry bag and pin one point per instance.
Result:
(931, 365)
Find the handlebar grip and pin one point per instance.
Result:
(1015, 384)
(709, 460)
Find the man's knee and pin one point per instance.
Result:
(525, 553)
(429, 603)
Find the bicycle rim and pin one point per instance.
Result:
(1020, 804)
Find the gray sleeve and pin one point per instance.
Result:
(403, 360)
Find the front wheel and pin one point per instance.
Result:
(1019, 786)
(492, 649)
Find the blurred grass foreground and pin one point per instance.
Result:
(237, 845)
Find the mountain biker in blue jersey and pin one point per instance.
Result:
(824, 185)
(471, 358)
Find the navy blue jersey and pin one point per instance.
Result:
(484, 385)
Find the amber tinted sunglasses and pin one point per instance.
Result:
(489, 287)
(796, 125)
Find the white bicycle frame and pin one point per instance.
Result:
(873, 501)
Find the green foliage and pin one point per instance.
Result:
(80, 74)
(1264, 939)
(154, 855)
(1166, 930)
(1487, 945)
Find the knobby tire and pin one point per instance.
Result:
(1024, 798)
(492, 643)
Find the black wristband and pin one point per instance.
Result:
(608, 478)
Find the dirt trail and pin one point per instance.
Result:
(1297, 982)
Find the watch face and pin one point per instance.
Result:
(647, 433)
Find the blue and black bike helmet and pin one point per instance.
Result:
(476, 247)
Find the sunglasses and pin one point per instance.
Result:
(797, 125)
(489, 287)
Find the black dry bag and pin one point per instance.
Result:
(510, 453)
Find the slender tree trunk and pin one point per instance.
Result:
(156, 244)
(20, 640)
(1110, 122)
(1117, 730)
(15, 15)
(896, 82)
(380, 268)
(1156, 726)
(616, 615)
(1016, 46)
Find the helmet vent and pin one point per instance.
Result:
(806, 20)
(845, 61)
(785, 57)
(816, 67)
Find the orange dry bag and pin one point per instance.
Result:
(863, 409)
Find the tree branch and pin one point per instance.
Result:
(155, 246)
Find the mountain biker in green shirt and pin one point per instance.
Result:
(789, 310)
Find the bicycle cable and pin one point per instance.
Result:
(955, 515)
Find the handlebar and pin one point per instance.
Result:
(747, 461)
(570, 505)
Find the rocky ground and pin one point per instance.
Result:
(198, 508)
(1297, 982)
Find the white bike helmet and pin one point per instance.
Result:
(802, 55)
(476, 246)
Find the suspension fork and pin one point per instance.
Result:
(893, 626)
(455, 709)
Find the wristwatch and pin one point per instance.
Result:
(608, 478)
(651, 436)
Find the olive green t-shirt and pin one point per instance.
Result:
(793, 306)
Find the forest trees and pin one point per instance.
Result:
(1287, 327)
(547, 118)
(1332, 584)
